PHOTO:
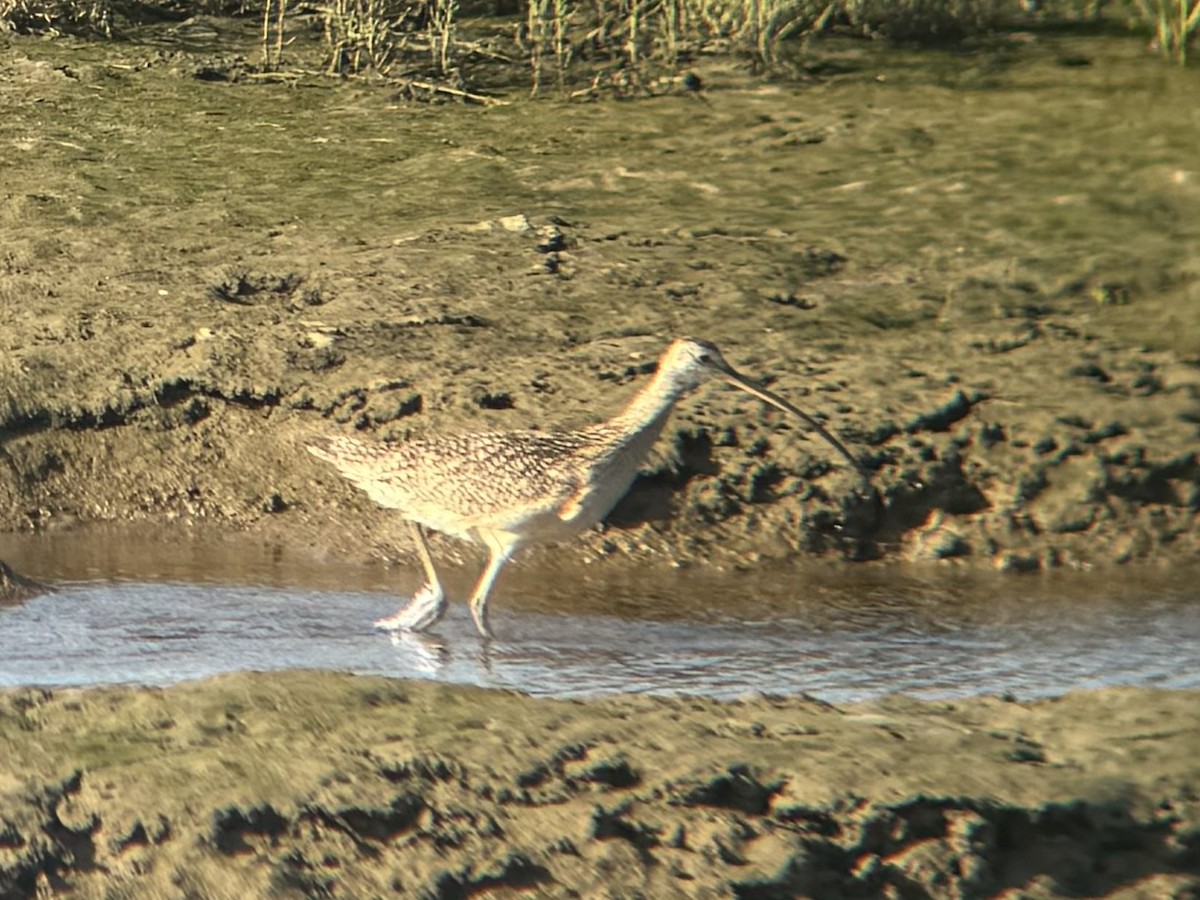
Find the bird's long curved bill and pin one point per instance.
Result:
(766, 396)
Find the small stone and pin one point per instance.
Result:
(951, 546)
(518, 224)
(1015, 562)
(553, 240)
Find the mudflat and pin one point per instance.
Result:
(317, 784)
(971, 266)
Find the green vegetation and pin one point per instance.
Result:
(57, 15)
(1175, 23)
(376, 35)
(641, 35)
(621, 45)
(364, 34)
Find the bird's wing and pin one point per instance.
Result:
(468, 477)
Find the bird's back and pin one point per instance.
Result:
(458, 483)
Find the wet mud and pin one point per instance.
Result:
(311, 784)
(1000, 319)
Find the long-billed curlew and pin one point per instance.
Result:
(508, 489)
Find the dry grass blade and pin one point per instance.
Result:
(94, 16)
(365, 35)
(441, 16)
(1174, 23)
(272, 52)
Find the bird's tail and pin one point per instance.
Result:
(342, 452)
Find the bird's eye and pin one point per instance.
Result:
(704, 358)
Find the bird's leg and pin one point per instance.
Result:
(428, 604)
(500, 550)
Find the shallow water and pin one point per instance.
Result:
(160, 633)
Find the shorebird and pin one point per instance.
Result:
(509, 489)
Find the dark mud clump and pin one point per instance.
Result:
(15, 587)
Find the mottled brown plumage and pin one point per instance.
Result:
(507, 489)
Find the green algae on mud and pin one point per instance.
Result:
(980, 268)
(304, 782)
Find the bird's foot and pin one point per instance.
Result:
(425, 608)
(480, 614)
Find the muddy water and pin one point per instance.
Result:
(838, 638)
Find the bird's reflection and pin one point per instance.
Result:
(427, 653)
(484, 655)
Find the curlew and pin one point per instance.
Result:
(509, 489)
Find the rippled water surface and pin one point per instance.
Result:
(834, 644)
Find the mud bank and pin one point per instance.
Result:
(1009, 347)
(310, 784)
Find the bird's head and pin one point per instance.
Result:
(689, 362)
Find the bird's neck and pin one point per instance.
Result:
(648, 409)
